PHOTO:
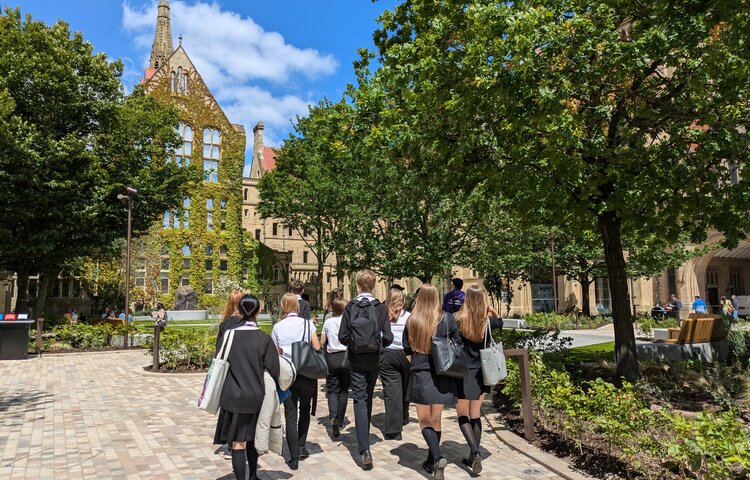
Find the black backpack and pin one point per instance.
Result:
(364, 328)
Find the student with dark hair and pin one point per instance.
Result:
(453, 300)
(339, 377)
(365, 330)
(289, 329)
(430, 391)
(298, 288)
(231, 319)
(394, 368)
(475, 321)
(252, 353)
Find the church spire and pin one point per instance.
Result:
(162, 47)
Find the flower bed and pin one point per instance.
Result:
(679, 421)
(80, 337)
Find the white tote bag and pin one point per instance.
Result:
(217, 373)
(493, 360)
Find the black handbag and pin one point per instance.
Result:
(448, 357)
(307, 361)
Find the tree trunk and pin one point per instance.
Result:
(585, 297)
(22, 286)
(41, 296)
(610, 227)
(320, 281)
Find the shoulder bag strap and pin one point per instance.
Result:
(230, 340)
(447, 330)
(489, 334)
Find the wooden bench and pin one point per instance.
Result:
(699, 328)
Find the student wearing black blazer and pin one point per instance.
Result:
(252, 353)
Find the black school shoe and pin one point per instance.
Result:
(366, 460)
(303, 453)
(392, 436)
(335, 431)
(428, 466)
(474, 462)
(439, 473)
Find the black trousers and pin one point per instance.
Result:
(363, 385)
(337, 385)
(394, 375)
(303, 390)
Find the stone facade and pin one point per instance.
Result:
(203, 240)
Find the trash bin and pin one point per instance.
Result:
(14, 336)
(658, 313)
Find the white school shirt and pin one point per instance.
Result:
(331, 331)
(290, 330)
(397, 328)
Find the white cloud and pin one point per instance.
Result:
(234, 55)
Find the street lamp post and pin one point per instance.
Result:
(554, 273)
(128, 200)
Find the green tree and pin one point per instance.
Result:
(74, 141)
(308, 189)
(629, 116)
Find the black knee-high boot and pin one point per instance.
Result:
(466, 428)
(239, 463)
(252, 460)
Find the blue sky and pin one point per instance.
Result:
(262, 60)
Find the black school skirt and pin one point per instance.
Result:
(472, 385)
(235, 427)
(427, 388)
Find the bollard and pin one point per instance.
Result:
(39, 330)
(157, 344)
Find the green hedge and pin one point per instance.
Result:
(79, 337)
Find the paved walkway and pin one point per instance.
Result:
(92, 416)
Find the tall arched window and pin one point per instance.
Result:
(172, 81)
(211, 154)
(182, 155)
(179, 79)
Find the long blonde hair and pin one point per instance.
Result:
(395, 303)
(233, 304)
(424, 318)
(289, 304)
(471, 318)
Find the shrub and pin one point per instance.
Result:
(549, 321)
(190, 348)
(737, 346)
(711, 447)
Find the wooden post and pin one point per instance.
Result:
(39, 330)
(526, 401)
(157, 346)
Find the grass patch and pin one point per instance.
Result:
(592, 353)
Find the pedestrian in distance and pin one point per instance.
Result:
(676, 304)
(453, 300)
(298, 288)
(699, 306)
(428, 390)
(727, 310)
(735, 308)
(339, 377)
(475, 320)
(365, 330)
(336, 293)
(394, 368)
(289, 329)
(252, 352)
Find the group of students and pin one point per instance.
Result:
(364, 340)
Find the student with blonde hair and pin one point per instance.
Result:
(430, 391)
(289, 329)
(365, 330)
(394, 368)
(476, 320)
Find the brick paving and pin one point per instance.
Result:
(92, 415)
